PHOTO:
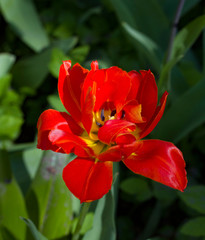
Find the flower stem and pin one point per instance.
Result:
(174, 29)
(83, 212)
(164, 81)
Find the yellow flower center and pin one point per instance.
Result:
(99, 118)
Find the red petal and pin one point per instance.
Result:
(69, 87)
(88, 180)
(125, 138)
(147, 94)
(108, 85)
(113, 154)
(87, 112)
(94, 65)
(52, 119)
(112, 128)
(136, 79)
(70, 143)
(133, 112)
(161, 161)
(45, 144)
(156, 117)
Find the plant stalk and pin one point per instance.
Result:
(174, 29)
(83, 212)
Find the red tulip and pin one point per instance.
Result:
(110, 112)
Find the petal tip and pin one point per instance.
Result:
(94, 65)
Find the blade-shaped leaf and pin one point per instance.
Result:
(138, 187)
(12, 206)
(65, 44)
(194, 197)
(186, 37)
(186, 113)
(6, 62)
(36, 234)
(136, 15)
(87, 224)
(30, 72)
(182, 42)
(103, 226)
(57, 57)
(145, 44)
(56, 103)
(31, 158)
(48, 200)
(194, 227)
(4, 84)
(24, 19)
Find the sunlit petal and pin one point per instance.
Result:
(88, 180)
(159, 160)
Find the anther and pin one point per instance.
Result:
(102, 116)
(123, 114)
(113, 113)
(99, 124)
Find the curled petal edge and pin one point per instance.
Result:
(155, 118)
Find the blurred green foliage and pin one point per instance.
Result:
(134, 34)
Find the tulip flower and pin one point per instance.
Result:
(110, 111)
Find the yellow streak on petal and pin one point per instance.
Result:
(96, 146)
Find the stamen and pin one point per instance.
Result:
(102, 116)
(99, 124)
(123, 114)
(113, 113)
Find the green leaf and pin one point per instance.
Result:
(144, 44)
(103, 225)
(87, 224)
(185, 114)
(24, 19)
(194, 227)
(56, 103)
(164, 194)
(4, 84)
(57, 58)
(79, 54)
(123, 10)
(11, 207)
(194, 197)
(182, 42)
(6, 62)
(137, 186)
(5, 167)
(9, 126)
(32, 158)
(11, 102)
(6, 234)
(30, 72)
(49, 200)
(152, 222)
(190, 72)
(136, 15)
(186, 37)
(65, 44)
(36, 234)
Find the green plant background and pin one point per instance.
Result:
(133, 34)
